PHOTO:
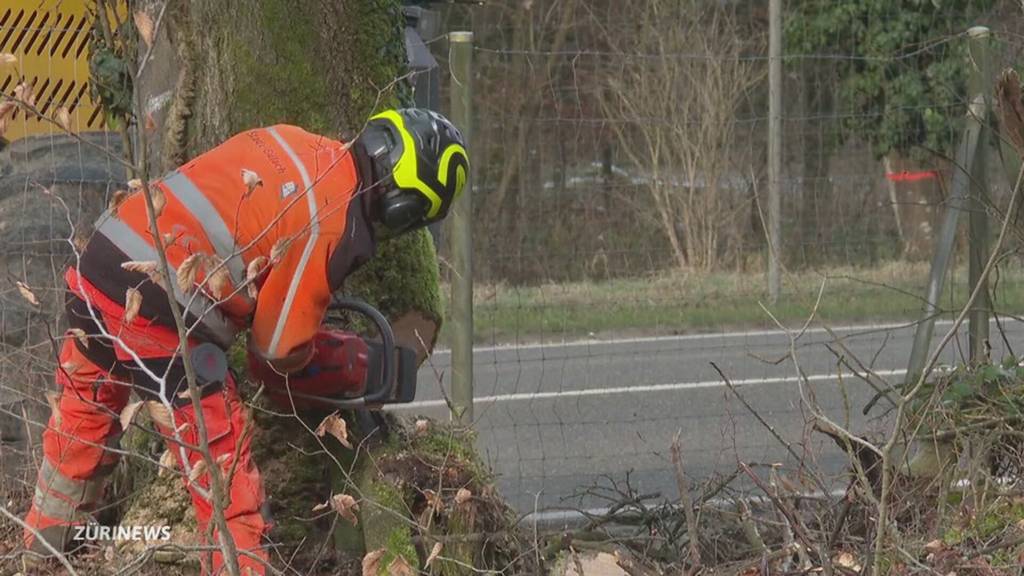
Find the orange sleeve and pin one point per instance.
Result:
(292, 303)
(293, 300)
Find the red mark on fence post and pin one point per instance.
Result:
(906, 176)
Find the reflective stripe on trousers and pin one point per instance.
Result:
(63, 498)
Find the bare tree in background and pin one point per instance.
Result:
(673, 106)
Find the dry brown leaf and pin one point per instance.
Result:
(252, 181)
(219, 280)
(335, 426)
(70, 367)
(422, 426)
(321, 506)
(198, 469)
(167, 463)
(135, 185)
(160, 414)
(53, 399)
(148, 267)
(224, 461)
(168, 238)
(256, 267)
(371, 562)
(346, 507)
(132, 303)
(188, 270)
(463, 496)
(434, 553)
(141, 266)
(128, 414)
(117, 199)
(252, 273)
(934, 545)
(80, 334)
(277, 252)
(63, 117)
(150, 123)
(8, 58)
(159, 200)
(144, 24)
(25, 92)
(27, 293)
(400, 567)
(848, 561)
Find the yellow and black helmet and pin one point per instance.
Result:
(419, 163)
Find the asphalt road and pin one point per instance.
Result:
(555, 419)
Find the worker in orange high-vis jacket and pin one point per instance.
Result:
(258, 233)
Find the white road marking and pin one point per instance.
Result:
(696, 337)
(674, 387)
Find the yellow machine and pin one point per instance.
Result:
(50, 38)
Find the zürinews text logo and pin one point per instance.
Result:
(121, 533)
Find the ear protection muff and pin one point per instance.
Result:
(400, 210)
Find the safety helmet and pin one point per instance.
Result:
(420, 164)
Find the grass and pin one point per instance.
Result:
(677, 303)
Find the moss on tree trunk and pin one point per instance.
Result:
(320, 65)
(324, 66)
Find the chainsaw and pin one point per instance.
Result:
(354, 372)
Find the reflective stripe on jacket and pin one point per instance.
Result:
(299, 213)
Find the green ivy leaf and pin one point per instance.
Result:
(958, 391)
(895, 95)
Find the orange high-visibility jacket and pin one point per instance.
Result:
(296, 235)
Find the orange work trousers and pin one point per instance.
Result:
(80, 444)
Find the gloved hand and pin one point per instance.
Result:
(338, 369)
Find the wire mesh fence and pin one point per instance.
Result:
(620, 251)
(50, 185)
(620, 245)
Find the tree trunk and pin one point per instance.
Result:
(221, 67)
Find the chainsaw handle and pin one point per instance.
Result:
(387, 336)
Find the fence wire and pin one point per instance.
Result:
(600, 335)
(42, 170)
(598, 338)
